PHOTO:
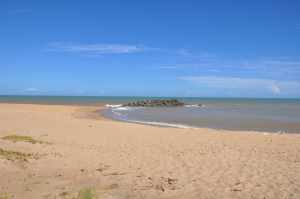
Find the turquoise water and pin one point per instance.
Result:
(266, 115)
(85, 100)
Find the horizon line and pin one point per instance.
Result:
(145, 96)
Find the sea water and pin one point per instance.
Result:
(264, 115)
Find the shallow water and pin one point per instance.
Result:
(270, 115)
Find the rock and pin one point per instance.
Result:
(156, 103)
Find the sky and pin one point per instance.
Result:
(150, 48)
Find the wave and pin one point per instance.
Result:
(113, 105)
(122, 108)
(194, 105)
(191, 105)
(117, 110)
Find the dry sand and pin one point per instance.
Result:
(90, 155)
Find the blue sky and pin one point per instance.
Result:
(153, 48)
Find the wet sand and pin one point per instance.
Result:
(82, 153)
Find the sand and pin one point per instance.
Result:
(82, 155)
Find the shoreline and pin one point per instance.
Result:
(184, 126)
(99, 108)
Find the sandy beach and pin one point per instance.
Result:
(76, 153)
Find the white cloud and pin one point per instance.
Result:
(222, 82)
(273, 86)
(275, 89)
(96, 48)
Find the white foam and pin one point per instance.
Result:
(113, 105)
(122, 108)
(194, 105)
(281, 132)
(191, 105)
(182, 126)
(118, 108)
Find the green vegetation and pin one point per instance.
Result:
(15, 155)
(21, 138)
(87, 193)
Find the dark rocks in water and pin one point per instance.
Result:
(155, 103)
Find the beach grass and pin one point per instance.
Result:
(87, 193)
(15, 155)
(5, 196)
(63, 194)
(22, 138)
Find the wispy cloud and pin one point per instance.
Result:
(96, 48)
(114, 48)
(217, 63)
(267, 68)
(280, 62)
(215, 82)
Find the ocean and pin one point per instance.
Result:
(263, 115)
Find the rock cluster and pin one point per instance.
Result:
(156, 103)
